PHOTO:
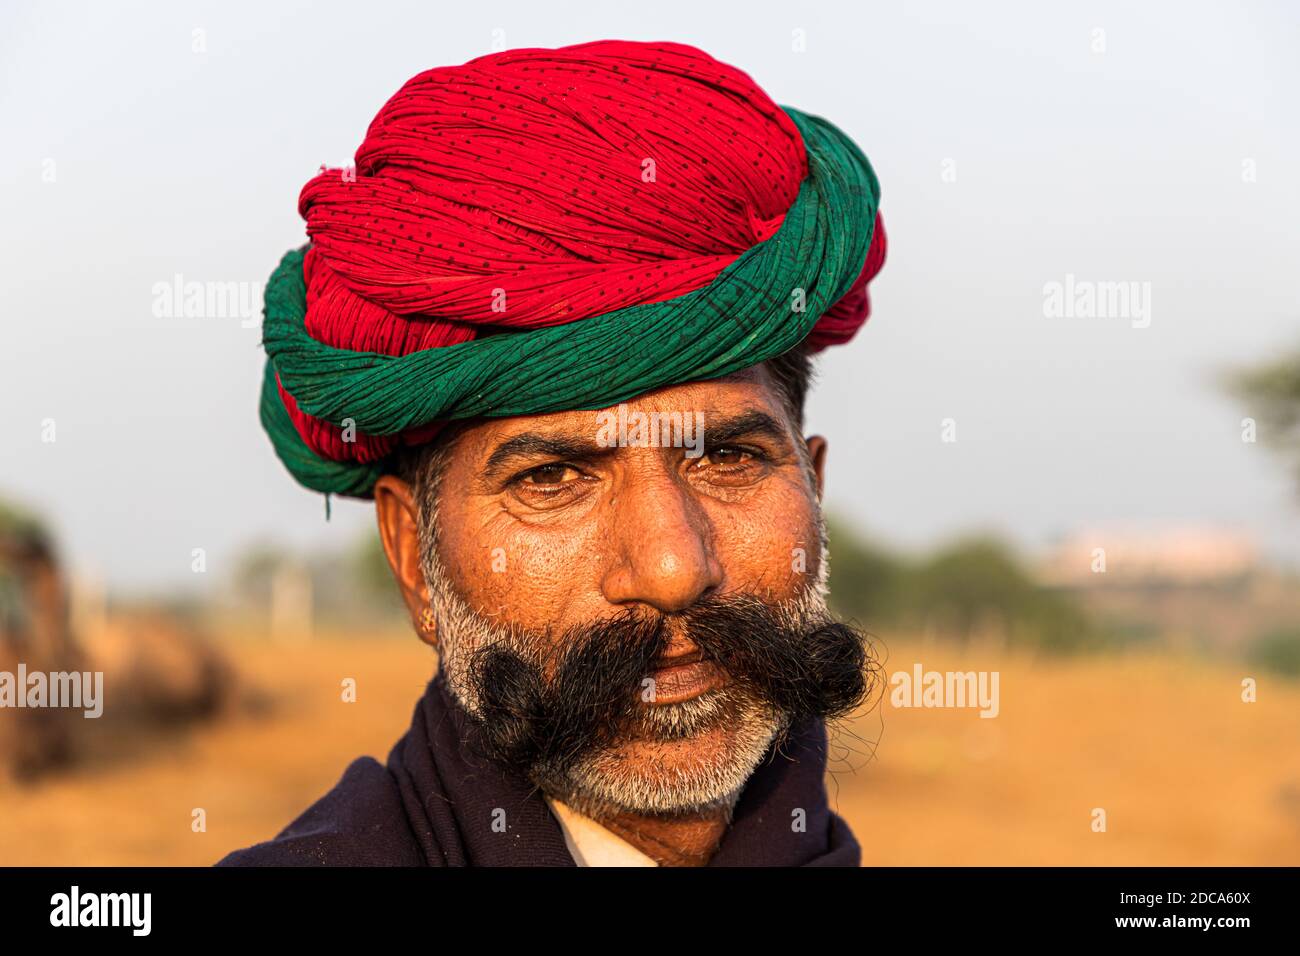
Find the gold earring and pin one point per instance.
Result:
(429, 625)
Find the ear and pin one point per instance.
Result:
(817, 452)
(397, 514)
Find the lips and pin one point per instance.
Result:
(676, 660)
(680, 677)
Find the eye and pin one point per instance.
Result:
(731, 466)
(554, 474)
(729, 455)
(554, 485)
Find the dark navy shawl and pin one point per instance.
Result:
(434, 804)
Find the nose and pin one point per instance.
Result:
(663, 546)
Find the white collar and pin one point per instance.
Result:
(591, 844)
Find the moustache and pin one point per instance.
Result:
(582, 691)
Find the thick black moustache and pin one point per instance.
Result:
(525, 720)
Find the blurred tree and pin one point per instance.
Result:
(373, 576)
(1278, 651)
(975, 586)
(1272, 393)
(866, 582)
(255, 569)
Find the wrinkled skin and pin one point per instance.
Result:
(585, 532)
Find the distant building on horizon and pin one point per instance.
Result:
(1178, 555)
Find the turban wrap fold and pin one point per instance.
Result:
(542, 230)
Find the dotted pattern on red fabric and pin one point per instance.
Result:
(540, 187)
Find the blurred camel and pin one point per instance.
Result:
(159, 673)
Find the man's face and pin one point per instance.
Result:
(657, 604)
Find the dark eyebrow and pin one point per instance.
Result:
(535, 445)
(717, 432)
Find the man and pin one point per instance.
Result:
(557, 324)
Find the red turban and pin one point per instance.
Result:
(535, 188)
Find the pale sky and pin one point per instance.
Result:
(1012, 149)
